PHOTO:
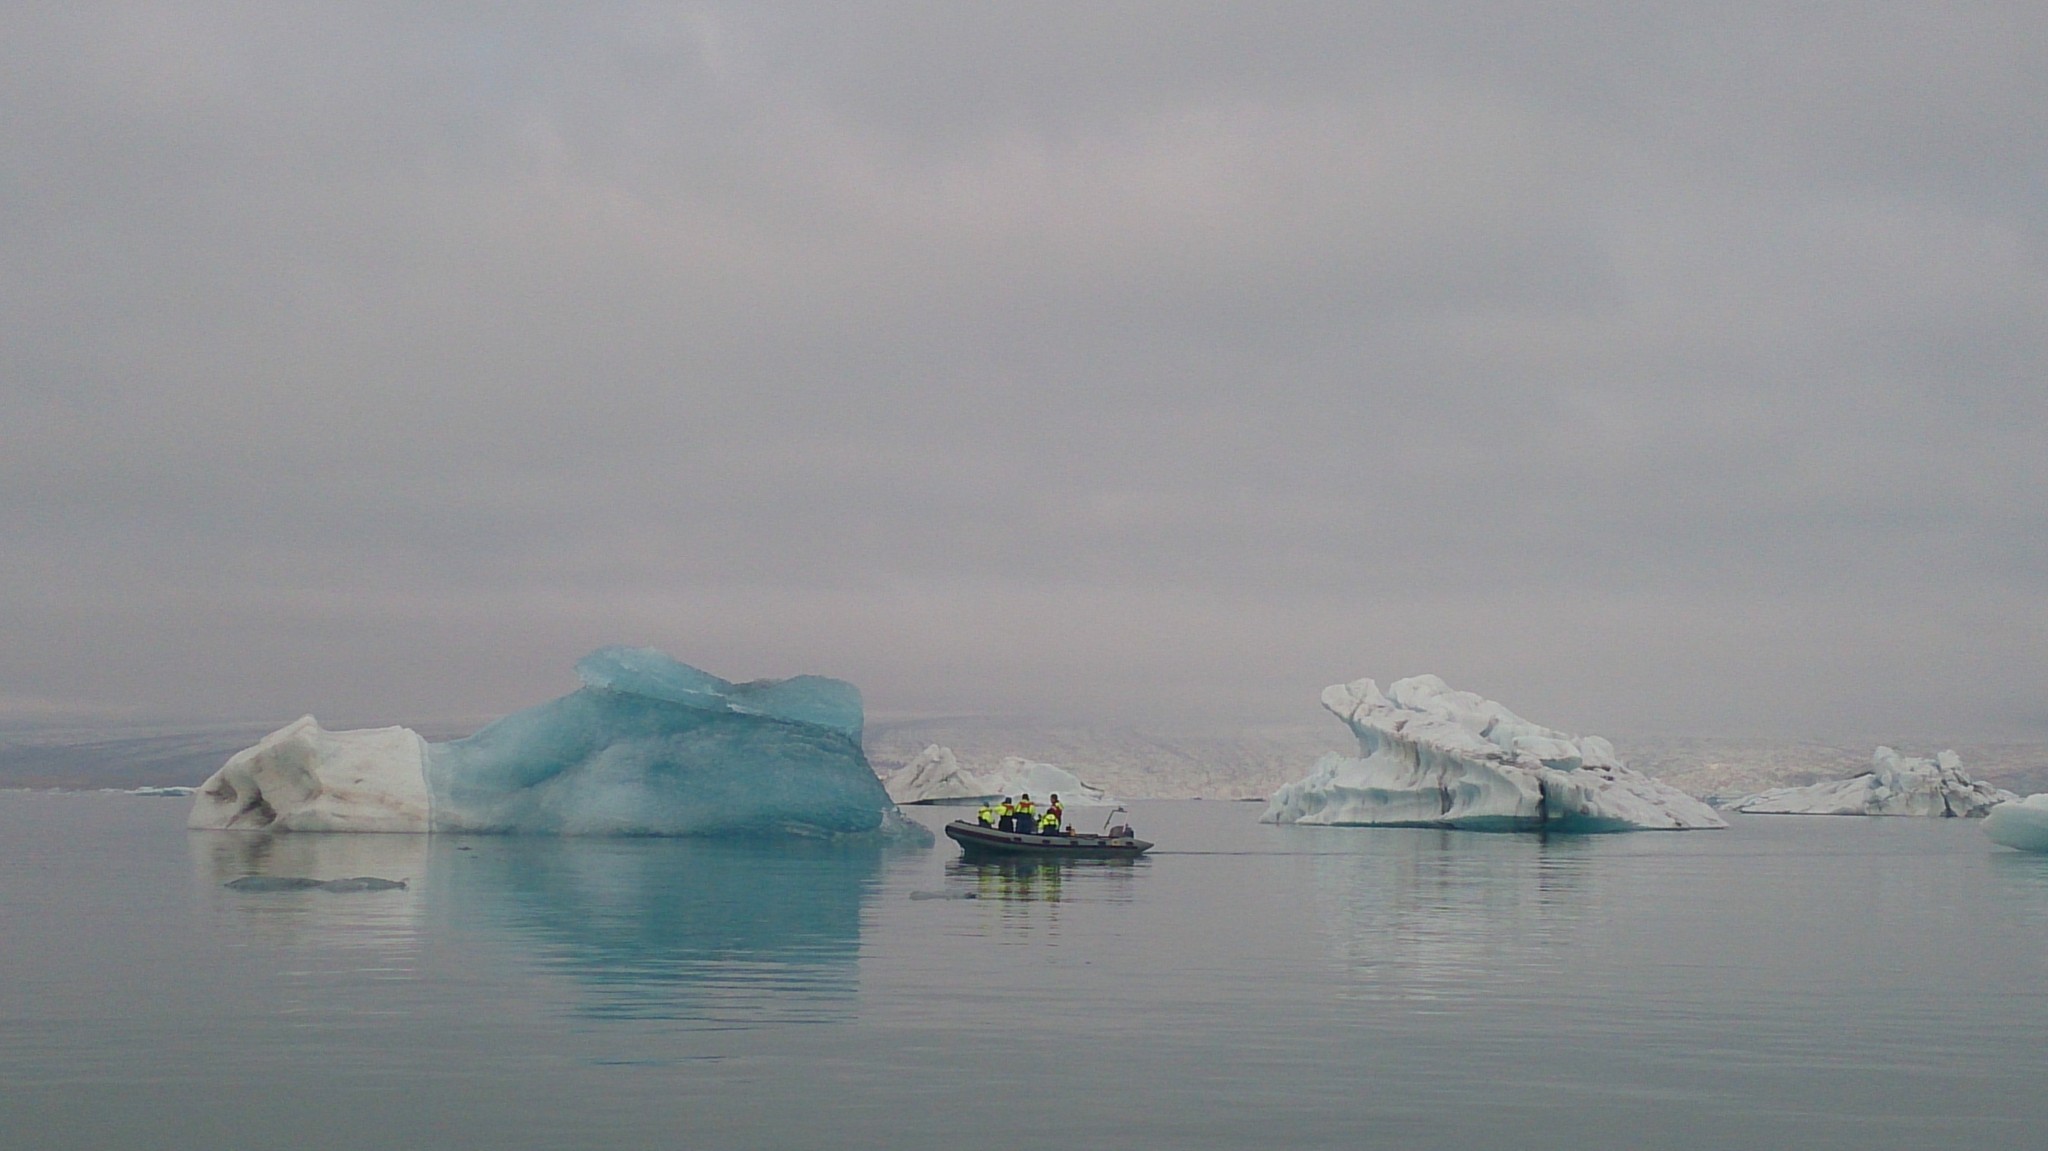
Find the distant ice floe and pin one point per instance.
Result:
(1433, 757)
(936, 777)
(647, 746)
(1894, 785)
(2020, 823)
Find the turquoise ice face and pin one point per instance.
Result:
(653, 746)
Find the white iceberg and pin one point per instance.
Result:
(2020, 823)
(1894, 785)
(936, 777)
(647, 746)
(302, 777)
(1433, 757)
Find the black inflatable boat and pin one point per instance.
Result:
(1113, 843)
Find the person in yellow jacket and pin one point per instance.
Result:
(987, 815)
(1027, 813)
(1006, 815)
(1054, 816)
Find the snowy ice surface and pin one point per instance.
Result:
(647, 746)
(302, 777)
(936, 777)
(2021, 823)
(1433, 757)
(1894, 785)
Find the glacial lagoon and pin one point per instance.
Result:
(1790, 981)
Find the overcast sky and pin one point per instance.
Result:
(1650, 367)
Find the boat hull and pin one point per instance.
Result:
(975, 839)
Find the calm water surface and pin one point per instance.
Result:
(1791, 982)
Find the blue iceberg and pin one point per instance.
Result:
(647, 746)
(2020, 823)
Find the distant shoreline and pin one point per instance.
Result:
(1128, 762)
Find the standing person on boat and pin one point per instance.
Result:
(1055, 815)
(1027, 814)
(987, 815)
(1006, 815)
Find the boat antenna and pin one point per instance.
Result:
(1113, 813)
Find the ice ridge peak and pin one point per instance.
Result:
(654, 674)
(1432, 756)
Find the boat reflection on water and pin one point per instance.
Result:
(1035, 879)
(724, 933)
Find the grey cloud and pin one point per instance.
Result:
(1665, 367)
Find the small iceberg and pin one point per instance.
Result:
(936, 777)
(1894, 785)
(2020, 823)
(647, 746)
(1433, 757)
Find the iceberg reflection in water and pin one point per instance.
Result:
(727, 933)
(349, 921)
(1428, 915)
(340, 960)
(1785, 983)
